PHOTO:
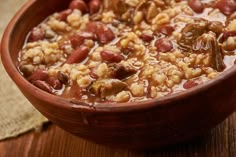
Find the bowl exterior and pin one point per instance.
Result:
(174, 122)
(154, 124)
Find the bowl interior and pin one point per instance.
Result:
(30, 15)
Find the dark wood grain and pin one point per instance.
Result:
(54, 142)
(170, 119)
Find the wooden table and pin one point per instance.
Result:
(54, 142)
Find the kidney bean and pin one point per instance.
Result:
(78, 55)
(54, 83)
(104, 34)
(43, 85)
(63, 15)
(63, 77)
(147, 37)
(196, 5)
(163, 45)
(94, 6)
(80, 5)
(36, 34)
(93, 74)
(92, 27)
(76, 40)
(189, 84)
(87, 35)
(111, 56)
(166, 29)
(227, 7)
(38, 75)
(227, 34)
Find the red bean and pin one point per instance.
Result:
(87, 35)
(163, 45)
(80, 5)
(228, 34)
(166, 29)
(94, 6)
(63, 15)
(93, 74)
(92, 27)
(227, 7)
(147, 37)
(76, 40)
(62, 77)
(78, 55)
(43, 85)
(104, 34)
(38, 75)
(196, 5)
(189, 84)
(54, 83)
(111, 56)
(36, 34)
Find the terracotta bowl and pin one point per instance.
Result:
(168, 120)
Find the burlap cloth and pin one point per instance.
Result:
(17, 115)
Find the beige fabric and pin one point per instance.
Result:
(17, 115)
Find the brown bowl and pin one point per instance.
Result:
(168, 120)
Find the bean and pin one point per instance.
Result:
(43, 85)
(63, 15)
(63, 77)
(36, 34)
(94, 6)
(78, 55)
(87, 35)
(80, 5)
(92, 27)
(104, 34)
(76, 40)
(227, 7)
(147, 37)
(38, 75)
(111, 56)
(93, 74)
(54, 83)
(189, 84)
(166, 29)
(196, 5)
(163, 45)
(228, 34)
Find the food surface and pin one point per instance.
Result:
(102, 51)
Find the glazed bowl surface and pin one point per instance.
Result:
(168, 120)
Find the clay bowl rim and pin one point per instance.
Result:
(57, 101)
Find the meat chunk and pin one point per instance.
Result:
(207, 43)
(120, 71)
(191, 32)
(106, 87)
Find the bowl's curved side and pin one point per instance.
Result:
(158, 126)
(155, 123)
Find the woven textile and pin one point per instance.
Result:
(17, 115)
